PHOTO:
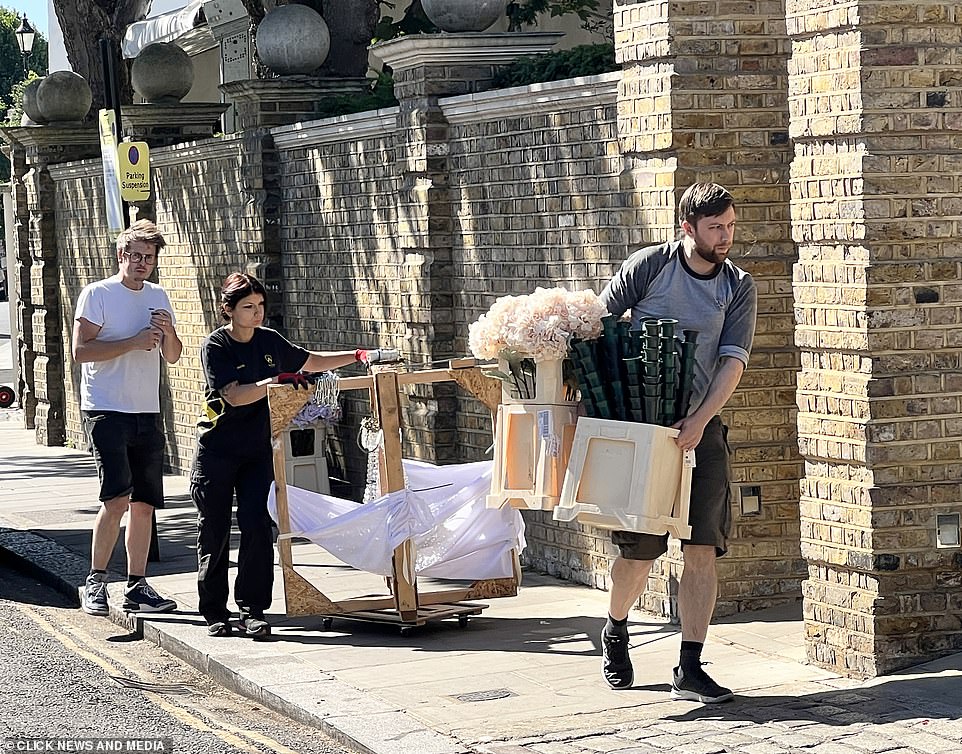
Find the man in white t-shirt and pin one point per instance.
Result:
(122, 327)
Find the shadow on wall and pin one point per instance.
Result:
(86, 254)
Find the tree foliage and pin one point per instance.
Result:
(11, 61)
(12, 80)
(523, 13)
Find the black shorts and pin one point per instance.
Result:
(129, 451)
(710, 514)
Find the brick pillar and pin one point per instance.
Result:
(43, 322)
(19, 281)
(426, 68)
(703, 97)
(261, 104)
(875, 206)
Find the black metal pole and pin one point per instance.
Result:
(108, 59)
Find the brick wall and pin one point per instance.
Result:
(875, 106)
(538, 200)
(86, 255)
(210, 224)
(703, 97)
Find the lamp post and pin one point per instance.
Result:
(25, 35)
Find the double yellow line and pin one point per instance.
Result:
(226, 732)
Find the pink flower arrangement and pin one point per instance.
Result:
(536, 326)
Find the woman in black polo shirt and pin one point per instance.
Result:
(240, 359)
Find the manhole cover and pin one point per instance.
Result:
(485, 696)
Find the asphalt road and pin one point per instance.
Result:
(69, 677)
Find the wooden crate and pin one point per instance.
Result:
(627, 476)
(531, 449)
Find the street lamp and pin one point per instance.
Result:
(25, 35)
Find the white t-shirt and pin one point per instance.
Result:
(129, 383)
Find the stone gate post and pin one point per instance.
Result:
(43, 321)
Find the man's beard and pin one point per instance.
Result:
(710, 255)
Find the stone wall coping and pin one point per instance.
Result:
(470, 48)
(569, 94)
(198, 114)
(214, 148)
(49, 136)
(206, 149)
(69, 171)
(291, 88)
(342, 128)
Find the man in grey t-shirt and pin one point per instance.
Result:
(693, 281)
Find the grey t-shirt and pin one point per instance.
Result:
(656, 282)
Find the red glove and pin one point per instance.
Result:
(293, 378)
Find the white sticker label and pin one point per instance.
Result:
(554, 446)
(689, 459)
(544, 424)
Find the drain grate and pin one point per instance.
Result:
(485, 696)
(155, 688)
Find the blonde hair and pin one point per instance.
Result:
(142, 230)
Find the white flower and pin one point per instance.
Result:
(539, 325)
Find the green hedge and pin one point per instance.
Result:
(584, 60)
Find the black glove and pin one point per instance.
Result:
(293, 378)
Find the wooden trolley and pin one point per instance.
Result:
(405, 606)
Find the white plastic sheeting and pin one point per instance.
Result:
(166, 27)
(442, 510)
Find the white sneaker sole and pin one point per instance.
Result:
(95, 610)
(163, 607)
(693, 696)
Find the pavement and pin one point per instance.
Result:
(523, 677)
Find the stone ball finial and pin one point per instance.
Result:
(293, 39)
(63, 97)
(162, 73)
(463, 15)
(30, 107)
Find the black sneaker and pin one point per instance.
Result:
(697, 686)
(254, 625)
(142, 598)
(616, 665)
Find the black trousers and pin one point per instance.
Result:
(214, 480)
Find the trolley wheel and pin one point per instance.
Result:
(462, 620)
(7, 396)
(326, 624)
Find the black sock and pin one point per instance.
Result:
(616, 626)
(132, 580)
(690, 655)
(97, 572)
